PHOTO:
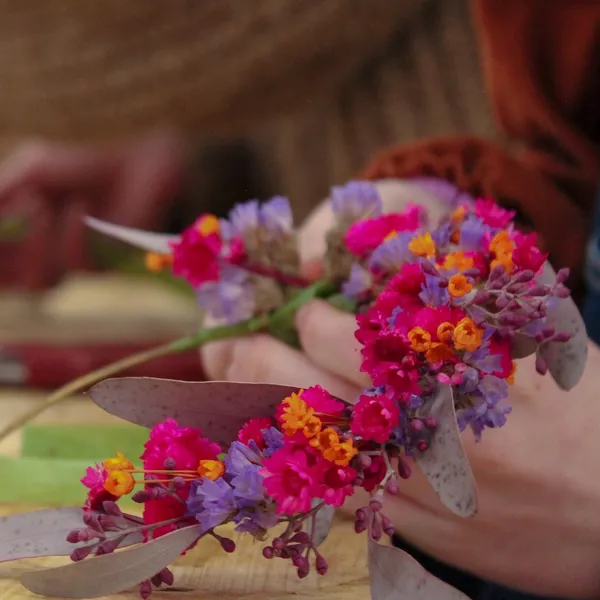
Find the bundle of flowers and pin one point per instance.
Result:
(443, 313)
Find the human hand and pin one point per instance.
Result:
(537, 528)
(51, 186)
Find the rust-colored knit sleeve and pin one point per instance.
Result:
(541, 60)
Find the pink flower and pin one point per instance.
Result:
(381, 346)
(375, 417)
(252, 430)
(291, 480)
(492, 214)
(164, 509)
(337, 485)
(196, 253)
(322, 402)
(408, 281)
(400, 381)
(364, 236)
(526, 255)
(184, 445)
(430, 318)
(94, 480)
(374, 474)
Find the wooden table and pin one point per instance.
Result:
(111, 307)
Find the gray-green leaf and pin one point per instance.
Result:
(111, 573)
(445, 463)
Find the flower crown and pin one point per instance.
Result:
(442, 313)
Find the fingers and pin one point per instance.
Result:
(262, 358)
(327, 338)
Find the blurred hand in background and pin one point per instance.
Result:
(46, 189)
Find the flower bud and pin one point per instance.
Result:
(170, 464)
(111, 508)
(388, 526)
(73, 536)
(278, 543)
(364, 461)
(540, 365)
(417, 425)
(321, 565)
(227, 544)
(268, 552)
(562, 337)
(404, 469)
(145, 589)
(561, 291)
(301, 538)
(167, 576)
(562, 275)
(81, 553)
(392, 487)
(141, 497)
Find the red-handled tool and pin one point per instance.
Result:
(49, 366)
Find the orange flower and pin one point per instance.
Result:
(505, 260)
(208, 224)
(156, 262)
(445, 331)
(211, 469)
(501, 243)
(439, 353)
(390, 236)
(458, 260)
(312, 427)
(118, 463)
(422, 245)
(296, 414)
(341, 454)
(467, 336)
(119, 483)
(459, 285)
(326, 439)
(419, 339)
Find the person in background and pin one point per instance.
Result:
(538, 529)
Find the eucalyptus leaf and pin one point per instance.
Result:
(111, 573)
(145, 240)
(320, 524)
(395, 574)
(523, 346)
(218, 408)
(566, 361)
(44, 533)
(445, 463)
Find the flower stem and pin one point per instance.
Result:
(260, 323)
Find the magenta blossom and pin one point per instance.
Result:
(375, 417)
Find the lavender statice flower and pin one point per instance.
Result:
(432, 294)
(392, 254)
(443, 189)
(355, 201)
(239, 457)
(245, 217)
(473, 234)
(493, 389)
(441, 235)
(276, 216)
(211, 502)
(359, 283)
(273, 439)
(231, 299)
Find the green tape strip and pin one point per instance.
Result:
(90, 442)
(44, 482)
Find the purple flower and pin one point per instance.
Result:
(239, 457)
(273, 439)
(431, 292)
(231, 299)
(441, 235)
(472, 234)
(356, 200)
(248, 486)
(493, 389)
(245, 216)
(443, 189)
(470, 379)
(276, 216)
(359, 283)
(390, 255)
(211, 502)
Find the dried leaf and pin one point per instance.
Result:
(445, 463)
(395, 574)
(523, 346)
(566, 361)
(145, 240)
(111, 573)
(218, 408)
(321, 523)
(43, 533)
